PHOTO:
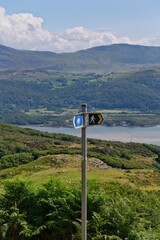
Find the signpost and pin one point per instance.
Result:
(80, 121)
(84, 174)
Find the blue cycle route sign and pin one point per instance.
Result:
(78, 121)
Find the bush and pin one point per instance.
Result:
(14, 160)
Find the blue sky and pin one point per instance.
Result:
(71, 25)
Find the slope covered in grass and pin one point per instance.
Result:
(40, 184)
(32, 154)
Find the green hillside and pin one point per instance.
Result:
(102, 59)
(45, 87)
(36, 97)
(27, 146)
(40, 176)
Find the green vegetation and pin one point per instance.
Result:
(40, 173)
(51, 102)
(118, 77)
(19, 146)
(123, 187)
(53, 212)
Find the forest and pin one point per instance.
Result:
(40, 184)
(136, 91)
(48, 97)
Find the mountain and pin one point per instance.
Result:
(120, 76)
(102, 58)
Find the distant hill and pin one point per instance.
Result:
(25, 90)
(118, 76)
(102, 59)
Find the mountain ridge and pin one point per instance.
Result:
(100, 58)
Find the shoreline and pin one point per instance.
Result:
(148, 135)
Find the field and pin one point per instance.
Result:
(67, 168)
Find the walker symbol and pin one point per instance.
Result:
(95, 118)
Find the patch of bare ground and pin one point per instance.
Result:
(97, 163)
(75, 161)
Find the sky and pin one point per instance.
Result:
(73, 25)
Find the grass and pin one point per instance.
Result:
(67, 168)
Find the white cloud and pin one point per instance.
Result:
(150, 41)
(25, 31)
(22, 31)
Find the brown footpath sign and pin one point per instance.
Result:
(95, 119)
